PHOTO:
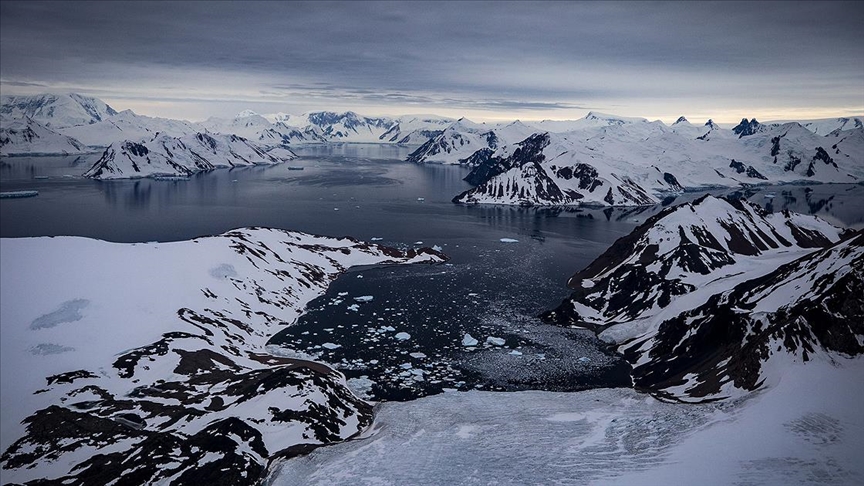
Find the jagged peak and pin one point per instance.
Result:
(681, 119)
(246, 114)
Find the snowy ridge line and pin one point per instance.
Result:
(166, 156)
(635, 163)
(703, 295)
(147, 363)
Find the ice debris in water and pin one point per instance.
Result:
(402, 336)
(364, 298)
(330, 346)
(495, 341)
(508, 240)
(354, 307)
(469, 340)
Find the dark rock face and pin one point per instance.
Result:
(716, 341)
(487, 167)
(721, 342)
(748, 169)
(746, 128)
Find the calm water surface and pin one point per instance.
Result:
(489, 289)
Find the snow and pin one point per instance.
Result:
(803, 430)
(72, 303)
(508, 240)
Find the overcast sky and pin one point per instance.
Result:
(487, 61)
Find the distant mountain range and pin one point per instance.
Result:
(703, 297)
(600, 159)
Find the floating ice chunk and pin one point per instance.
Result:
(354, 307)
(583, 359)
(417, 355)
(418, 242)
(335, 209)
(587, 283)
(359, 276)
(516, 353)
(342, 294)
(508, 240)
(495, 341)
(468, 340)
(375, 238)
(69, 311)
(421, 198)
(331, 346)
(402, 336)
(364, 298)
(406, 366)
(361, 386)
(437, 248)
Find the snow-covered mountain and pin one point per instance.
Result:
(165, 155)
(824, 126)
(635, 159)
(128, 125)
(704, 296)
(415, 129)
(20, 136)
(468, 143)
(148, 363)
(57, 110)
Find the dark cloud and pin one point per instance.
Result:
(500, 55)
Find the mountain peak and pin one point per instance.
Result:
(246, 114)
(680, 119)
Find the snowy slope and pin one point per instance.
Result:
(662, 295)
(26, 136)
(247, 124)
(824, 126)
(56, 110)
(169, 156)
(127, 125)
(147, 363)
(415, 129)
(653, 159)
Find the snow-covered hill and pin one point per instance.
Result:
(147, 363)
(469, 143)
(128, 125)
(165, 155)
(56, 110)
(638, 162)
(19, 136)
(704, 296)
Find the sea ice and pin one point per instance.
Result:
(331, 346)
(402, 336)
(364, 298)
(508, 240)
(496, 341)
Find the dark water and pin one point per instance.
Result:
(488, 289)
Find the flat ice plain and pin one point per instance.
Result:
(808, 428)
